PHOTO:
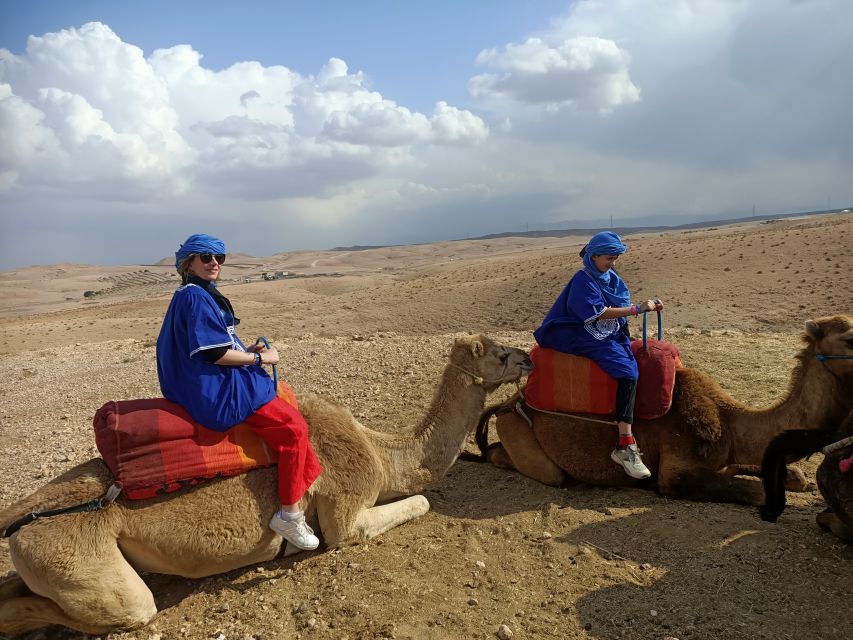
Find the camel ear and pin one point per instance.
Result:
(478, 349)
(814, 330)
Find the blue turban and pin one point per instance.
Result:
(613, 288)
(198, 243)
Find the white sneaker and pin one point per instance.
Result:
(297, 532)
(629, 458)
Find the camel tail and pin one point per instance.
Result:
(788, 446)
(481, 434)
(80, 484)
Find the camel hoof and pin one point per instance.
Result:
(769, 515)
(825, 520)
(500, 458)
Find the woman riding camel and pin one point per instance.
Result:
(589, 318)
(203, 366)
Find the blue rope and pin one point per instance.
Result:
(822, 358)
(266, 343)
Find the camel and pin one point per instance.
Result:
(80, 570)
(835, 486)
(699, 447)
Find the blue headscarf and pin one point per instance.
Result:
(615, 291)
(198, 243)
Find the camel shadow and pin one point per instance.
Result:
(649, 567)
(477, 491)
(713, 571)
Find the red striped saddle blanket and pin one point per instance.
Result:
(153, 446)
(572, 384)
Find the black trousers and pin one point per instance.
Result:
(626, 395)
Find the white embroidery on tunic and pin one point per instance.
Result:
(601, 329)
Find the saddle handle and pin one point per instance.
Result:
(660, 327)
(266, 343)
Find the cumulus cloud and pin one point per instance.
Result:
(582, 72)
(103, 118)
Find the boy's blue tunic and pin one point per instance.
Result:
(573, 326)
(216, 396)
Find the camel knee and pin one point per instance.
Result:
(498, 456)
(796, 481)
(13, 586)
(27, 613)
(830, 522)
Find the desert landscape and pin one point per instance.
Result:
(371, 328)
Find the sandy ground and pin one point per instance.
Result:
(372, 328)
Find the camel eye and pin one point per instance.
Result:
(504, 356)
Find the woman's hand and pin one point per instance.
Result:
(268, 356)
(650, 305)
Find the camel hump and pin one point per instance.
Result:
(85, 482)
(697, 399)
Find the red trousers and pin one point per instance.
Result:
(285, 431)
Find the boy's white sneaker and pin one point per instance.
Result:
(629, 458)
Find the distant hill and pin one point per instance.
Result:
(704, 224)
(361, 247)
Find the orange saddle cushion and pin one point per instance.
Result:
(567, 383)
(153, 446)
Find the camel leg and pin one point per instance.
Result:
(829, 521)
(82, 584)
(795, 479)
(706, 485)
(522, 451)
(339, 526)
(12, 586)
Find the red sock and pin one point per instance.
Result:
(624, 441)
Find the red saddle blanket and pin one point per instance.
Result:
(572, 384)
(153, 446)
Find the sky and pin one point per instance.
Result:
(280, 126)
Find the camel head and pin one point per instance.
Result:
(832, 337)
(488, 363)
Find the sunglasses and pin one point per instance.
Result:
(207, 257)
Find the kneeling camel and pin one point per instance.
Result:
(80, 570)
(707, 438)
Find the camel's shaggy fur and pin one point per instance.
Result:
(80, 570)
(707, 438)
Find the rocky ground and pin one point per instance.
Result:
(496, 549)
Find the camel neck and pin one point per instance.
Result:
(424, 456)
(816, 399)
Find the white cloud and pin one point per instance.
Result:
(582, 72)
(100, 115)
